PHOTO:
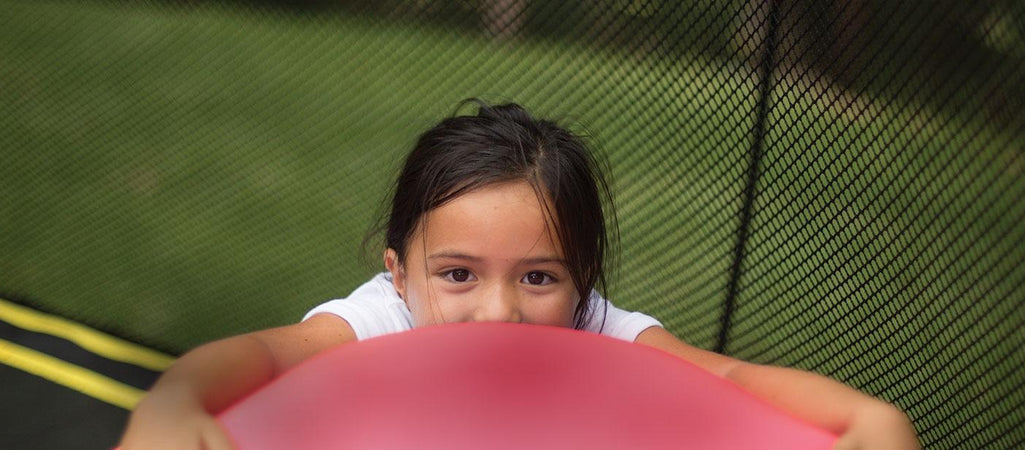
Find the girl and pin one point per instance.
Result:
(495, 217)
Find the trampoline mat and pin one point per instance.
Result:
(66, 385)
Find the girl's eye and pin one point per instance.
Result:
(537, 278)
(459, 275)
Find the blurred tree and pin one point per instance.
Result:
(951, 47)
(503, 18)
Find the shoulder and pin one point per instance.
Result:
(606, 319)
(372, 309)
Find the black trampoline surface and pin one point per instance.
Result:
(64, 385)
(39, 414)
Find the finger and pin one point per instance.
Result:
(846, 442)
(215, 438)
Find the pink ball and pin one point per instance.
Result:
(496, 385)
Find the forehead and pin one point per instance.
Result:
(506, 220)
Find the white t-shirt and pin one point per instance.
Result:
(375, 309)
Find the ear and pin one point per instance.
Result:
(398, 274)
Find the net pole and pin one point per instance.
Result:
(766, 68)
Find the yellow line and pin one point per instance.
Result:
(61, 372)
(88, 338)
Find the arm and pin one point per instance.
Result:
(860, 420)
(178, 411)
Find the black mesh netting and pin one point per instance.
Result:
(832, 185)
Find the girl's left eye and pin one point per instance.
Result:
(537, 278)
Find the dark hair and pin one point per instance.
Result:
(503, 143)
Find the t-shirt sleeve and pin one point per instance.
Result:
(617, 323)
(373, 309)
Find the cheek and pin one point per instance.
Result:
(560, 311)
(571, 312)
(415, 299)
(428, 306)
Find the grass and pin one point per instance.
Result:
(178, 174)
(182, 174)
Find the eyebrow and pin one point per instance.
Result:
(463, 256)
(453, 255)
(543, 260)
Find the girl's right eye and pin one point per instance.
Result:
(459, 275)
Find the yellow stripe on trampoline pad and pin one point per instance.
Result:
(61, 372)
(99, 343)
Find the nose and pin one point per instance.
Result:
(499, 304)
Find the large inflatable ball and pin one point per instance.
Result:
(496, 386)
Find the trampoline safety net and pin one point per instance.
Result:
(825, 184)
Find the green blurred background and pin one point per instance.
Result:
(174, 172)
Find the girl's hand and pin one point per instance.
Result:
(882, 427)
(167, 419)
(176, 414)
(863, 421)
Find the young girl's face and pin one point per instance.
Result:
(489, 255)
